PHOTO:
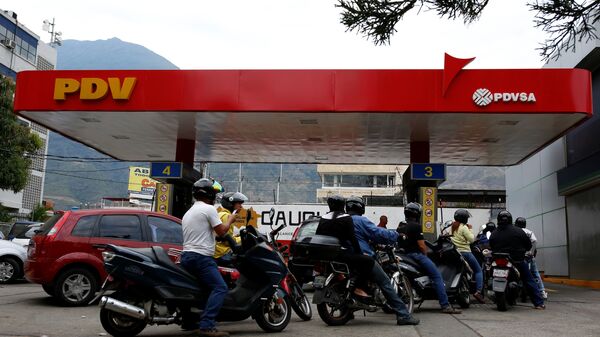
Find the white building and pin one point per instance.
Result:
(21, 49)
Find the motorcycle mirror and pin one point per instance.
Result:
(271, 214)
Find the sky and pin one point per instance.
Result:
(280, 34)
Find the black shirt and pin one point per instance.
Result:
(414, 233)
(512, 240)
(341, 226)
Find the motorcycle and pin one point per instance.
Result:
(151, 289)
(334, 281)
(385, 255)
(455, 271)
(506, 281)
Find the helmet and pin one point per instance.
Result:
(336, 203)
(206, 188)
(413, 211)
(356, 205)
(504, 218)
(489, 227)
(462, 215)
(520, 222)
(230, 198)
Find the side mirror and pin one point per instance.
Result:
(271, 214)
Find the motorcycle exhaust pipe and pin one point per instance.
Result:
(122, 307)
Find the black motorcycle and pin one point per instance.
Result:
(150, 289)
(454, 269)
(506, 281)
(334, 283)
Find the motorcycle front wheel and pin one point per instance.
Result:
(274, 314)
(298, 300)
(405, 292)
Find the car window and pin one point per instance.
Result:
(164, 230)
(84, 226)
(120, 227)
(309, 228)
(47, 226)
(19, 230)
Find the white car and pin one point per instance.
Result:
(12, 259)
(22, 231)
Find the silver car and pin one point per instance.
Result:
(12, 259)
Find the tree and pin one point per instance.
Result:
(4, 215)
(17, 143)
(566, 21)
(39, 213)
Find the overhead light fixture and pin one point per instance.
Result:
(511, 123)
(309, 122)
(320, 158)
(90, 120)
(490, 140)
(470, 160)
(315, 139)
(154, 156)
(120, 137)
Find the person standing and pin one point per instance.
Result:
(531, 254)
(383, 220)
(200, 224)
(463, 237)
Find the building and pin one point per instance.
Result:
(21, 49)
(558, 188)
(380, 184)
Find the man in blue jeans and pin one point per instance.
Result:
(366, 232)
(414, 246)
(199, 224)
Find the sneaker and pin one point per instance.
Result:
(479, 297)
(544, 295)
(212, 333)
(450, 310)
(410, 320)
(540, 307)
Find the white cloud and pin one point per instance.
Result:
(241, 34)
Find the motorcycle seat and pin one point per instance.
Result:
(162, 259)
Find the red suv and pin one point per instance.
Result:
(65, 256)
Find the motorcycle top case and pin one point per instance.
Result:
(318, 248)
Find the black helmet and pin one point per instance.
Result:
(206, 188)
(413, 211)
(355, 205)
(462, 215)
(230, 198)
(336, 203)
(520, 222)
(504, 218)
(489, 227)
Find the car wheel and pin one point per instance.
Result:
(10, 269)
(75, 287)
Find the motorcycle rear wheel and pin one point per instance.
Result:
(500, 301)
(464, 296)
(327, 314)
(119, 325)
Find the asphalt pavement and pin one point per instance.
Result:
(26, 310)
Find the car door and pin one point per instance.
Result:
(166, 233)
(118, 229)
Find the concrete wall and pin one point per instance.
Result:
(532, 192)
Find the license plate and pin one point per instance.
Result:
(319, 282)
(500, 273)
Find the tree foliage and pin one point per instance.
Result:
(16, 142)
(566, 21)
(39, 213)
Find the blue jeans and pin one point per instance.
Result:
(434, 275)
(529, 282)
(393, 300)
(472, 261)
(206, 271)
(536, 273)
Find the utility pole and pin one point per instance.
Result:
(240, 177)
(55, 37)
(279, 183)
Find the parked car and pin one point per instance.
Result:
(299, 266)
(65, 255)
(12, 259)
(22, 231)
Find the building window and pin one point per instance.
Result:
(358, 180)
(23, 48)
(32, 194)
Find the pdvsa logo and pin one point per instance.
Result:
(483, 97)
(93, 88)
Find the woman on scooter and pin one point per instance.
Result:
(462, 237)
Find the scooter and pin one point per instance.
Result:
(150, 289)
(506, 281)
(455, 272)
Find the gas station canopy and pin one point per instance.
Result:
(468, 117)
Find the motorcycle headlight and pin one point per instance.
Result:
(108, 256)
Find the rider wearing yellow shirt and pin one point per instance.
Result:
(230, 202)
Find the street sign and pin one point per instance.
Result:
(164, 198)
(429, 202)
(173, 170)
(428, 171)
